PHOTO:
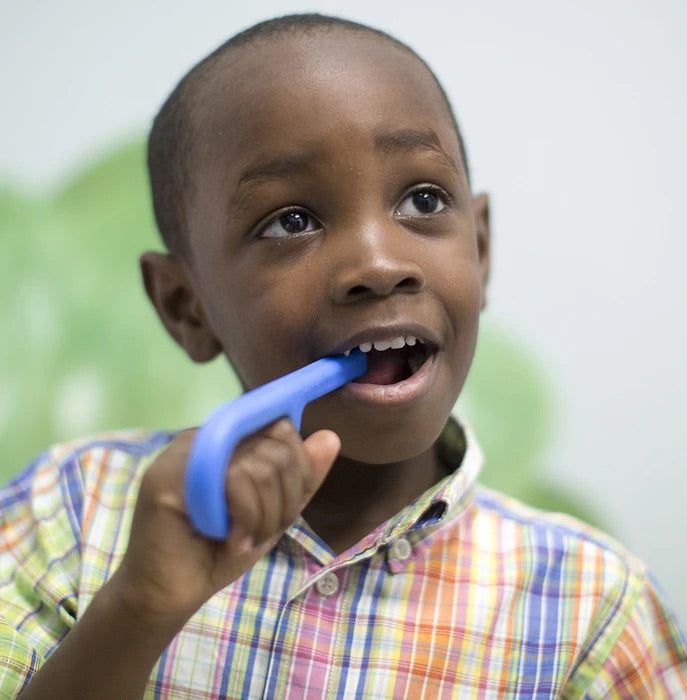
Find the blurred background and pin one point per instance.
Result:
(574, 116)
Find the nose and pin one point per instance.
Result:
(375, 263)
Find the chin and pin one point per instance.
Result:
(389, 442)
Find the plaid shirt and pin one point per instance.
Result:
(465, 593)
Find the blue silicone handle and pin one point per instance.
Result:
(231, 422)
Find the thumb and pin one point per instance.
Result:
(322, 448)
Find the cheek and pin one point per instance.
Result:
(457, 281)
(458, 284)
(265, 321)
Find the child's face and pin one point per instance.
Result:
(330, 207)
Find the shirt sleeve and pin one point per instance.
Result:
(18, 661)
(639, 653)
(39, 564)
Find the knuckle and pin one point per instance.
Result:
(265, 483)
(274, 458)
(281, 455)
(262, 474)
(241, 497)
(283, 428)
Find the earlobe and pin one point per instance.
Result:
(480, 205)
(176, 302)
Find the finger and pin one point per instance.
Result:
(264, 481)
(274, 466)
(244, 506)
(312, 460)
(293, 476)
(322, 448)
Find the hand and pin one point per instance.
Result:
(169, 570)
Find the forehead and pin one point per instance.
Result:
(312, 82)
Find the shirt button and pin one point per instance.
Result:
(328, 584)
(400, 549)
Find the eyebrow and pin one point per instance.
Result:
(405, 140)
(282, 166)
(409, 140)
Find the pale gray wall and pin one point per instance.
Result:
(574, 114)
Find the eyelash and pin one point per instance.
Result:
(444, 198)
(277, 218)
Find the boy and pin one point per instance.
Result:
(311, 185)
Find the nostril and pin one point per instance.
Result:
(405, 284)
(377, 278)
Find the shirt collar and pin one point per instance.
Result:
(458, 451)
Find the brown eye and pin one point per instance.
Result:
(421, 202)
(426, 202)
(290, 223)
(294, 222)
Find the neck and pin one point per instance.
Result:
(355, 498)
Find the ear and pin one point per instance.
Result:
(480, 206)
(170, 290)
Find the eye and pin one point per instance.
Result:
(290, 223)
(421, 202)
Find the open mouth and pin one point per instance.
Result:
(393, 361)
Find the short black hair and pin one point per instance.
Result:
(170, 144)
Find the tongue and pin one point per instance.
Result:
(386, 367)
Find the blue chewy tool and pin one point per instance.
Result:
(231, 422)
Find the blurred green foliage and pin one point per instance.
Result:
(508, 400)
(83, 350)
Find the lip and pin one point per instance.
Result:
(394, 395)
(402, 393)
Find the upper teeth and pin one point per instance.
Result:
(394, 343)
